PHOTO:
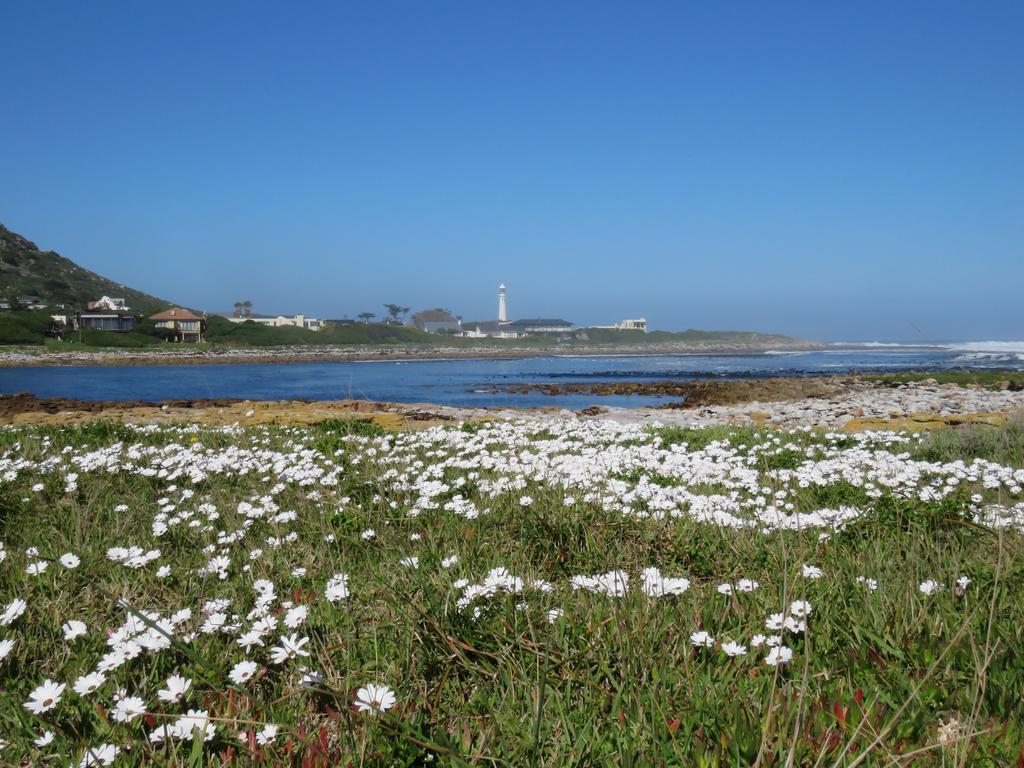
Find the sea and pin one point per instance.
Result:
(482, 382)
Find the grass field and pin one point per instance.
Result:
(525, 595)
(987, 379)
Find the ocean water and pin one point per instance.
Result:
(472, 383)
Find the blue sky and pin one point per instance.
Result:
(828, 170)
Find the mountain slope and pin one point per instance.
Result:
(26, 270)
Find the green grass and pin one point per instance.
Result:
(987, 379)
(612, 682)
(1003, 446)
(27, 328)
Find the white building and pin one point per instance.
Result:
(108, 303)
(502, 309)
(281, 321)
(640, 324)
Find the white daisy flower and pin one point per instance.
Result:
(69, 561)
(242, 672)
(780, 654)
(374, 698)
(73, 629)
(128, 708)
(177, 687)
(45, 697)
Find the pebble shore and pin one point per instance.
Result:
(183, 354)
(860, 405)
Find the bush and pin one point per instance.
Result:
(95, 338)
(21, 327)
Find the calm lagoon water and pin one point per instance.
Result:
(469, 382)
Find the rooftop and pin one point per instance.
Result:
(175, 314)
(539, 322)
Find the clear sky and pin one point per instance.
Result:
(836, 170)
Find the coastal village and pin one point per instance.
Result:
(177, 324)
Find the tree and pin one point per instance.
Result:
(437, 315)
(396, 311)
(238, 309)
(366, 317)
(246, 308)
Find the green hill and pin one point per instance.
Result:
(27, 270)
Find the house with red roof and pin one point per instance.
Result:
(180, 324)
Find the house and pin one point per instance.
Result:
(104, 321)
(437, 320)
(105, 302)
(640, 324)
(180, 324)
(441, 326)
(29, 301)
(280, 321)
(539, 327)
(517, 329)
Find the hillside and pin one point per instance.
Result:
(27, 270)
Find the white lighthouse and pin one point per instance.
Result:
(502, 316)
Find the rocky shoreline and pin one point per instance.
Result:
(184, 355)
(840, 403)
(696, 392)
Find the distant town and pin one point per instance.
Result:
(107, 313)
(440, 321)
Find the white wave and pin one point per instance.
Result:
(990, 347)
(989, 358)
(886, 344)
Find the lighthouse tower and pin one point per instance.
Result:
(502, 316)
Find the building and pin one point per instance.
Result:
(436, 320)
(640, 324)
(105, 302)
(540, 326)
(104, 321)
(518, 329)
(503, 328)
(442, 326)
(180, 325)
(280, 321)
(29, 301)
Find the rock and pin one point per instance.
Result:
(759, 417)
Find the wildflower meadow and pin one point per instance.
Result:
(554, 593)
